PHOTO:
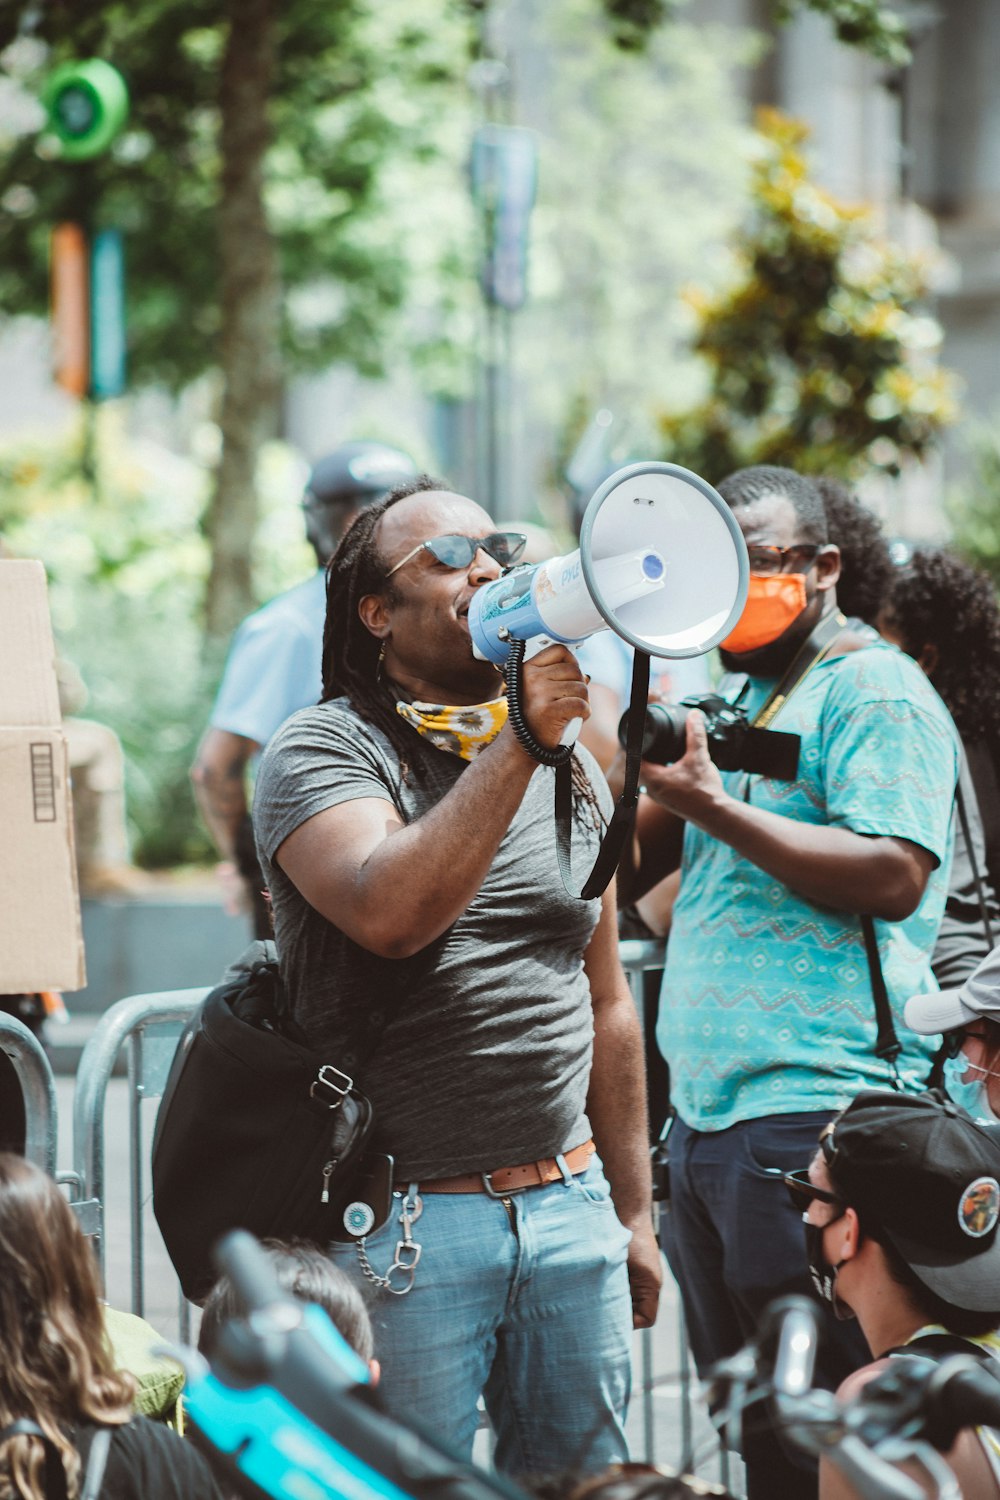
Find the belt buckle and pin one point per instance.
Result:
(486, 1178)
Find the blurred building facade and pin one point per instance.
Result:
(924, 139)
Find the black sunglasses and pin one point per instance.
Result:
(505, 547)
(771, 560)
(803, 1191)
(953, 1040)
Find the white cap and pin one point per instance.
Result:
(945, 1010)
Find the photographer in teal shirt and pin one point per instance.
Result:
(767, 1016)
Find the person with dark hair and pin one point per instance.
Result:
(901, 1205)
(867, 583)
(307, 1273)
(866, 566)
(273, 667)
(944, 613)
(789, 890)
(429, 947)
(66, 1412)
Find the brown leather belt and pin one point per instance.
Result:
(512, 1179)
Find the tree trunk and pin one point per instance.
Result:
(250, 300)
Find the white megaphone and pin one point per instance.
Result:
(661, 562)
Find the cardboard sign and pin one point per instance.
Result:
(41, 939)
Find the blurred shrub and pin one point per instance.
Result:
(127, 564)
(820, 353)
(974, 504)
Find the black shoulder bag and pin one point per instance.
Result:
(256, 1129)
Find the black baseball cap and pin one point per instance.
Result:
(358, 473)
(928, 1176)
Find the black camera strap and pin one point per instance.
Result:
(814, 648)
(622, 819)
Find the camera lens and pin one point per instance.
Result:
(664, 735)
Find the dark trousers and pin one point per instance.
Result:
(734, 1243)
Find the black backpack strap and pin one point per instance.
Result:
(887, 1043)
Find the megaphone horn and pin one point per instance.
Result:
(661, 562)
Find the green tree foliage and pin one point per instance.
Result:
(251, 187)
(353, 90)
(127, 566)
(642, 178)
(868, 24)
(819, 353)
(974, 505)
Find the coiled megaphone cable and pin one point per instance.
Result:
(513, 671)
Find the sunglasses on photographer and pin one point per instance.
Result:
(454, 551)
(803, 1191)
(953, 1040)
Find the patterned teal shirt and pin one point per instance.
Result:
(766, 1005)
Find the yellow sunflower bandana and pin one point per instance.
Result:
(462, 731)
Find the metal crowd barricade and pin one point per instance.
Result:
(150, 1026)
(38, 1089)
(640, 956)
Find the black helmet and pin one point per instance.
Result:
(358, 473)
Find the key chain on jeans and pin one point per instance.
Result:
(404, 1262)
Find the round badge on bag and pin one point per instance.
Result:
(358, 1219)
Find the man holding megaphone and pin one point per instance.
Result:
(427, 942)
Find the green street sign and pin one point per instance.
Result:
(87, 105)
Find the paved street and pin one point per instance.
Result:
(160, 1303)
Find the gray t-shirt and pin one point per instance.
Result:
(482, 1041)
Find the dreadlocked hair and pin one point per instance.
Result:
(350, 651)
(586, 807)
(939, 600)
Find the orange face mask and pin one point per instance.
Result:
(773, 602)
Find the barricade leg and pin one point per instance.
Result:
(150, 1025)
(33, 1075)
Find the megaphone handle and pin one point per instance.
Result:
(571, 733)
(515, 712)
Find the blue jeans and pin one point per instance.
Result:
(535, 1315)
(734, 1243)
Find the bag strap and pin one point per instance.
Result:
(622, 819)
(887, 1043)
(55, 1473)
(97, 1462)
(814, 648)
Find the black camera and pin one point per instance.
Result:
(733, 742)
